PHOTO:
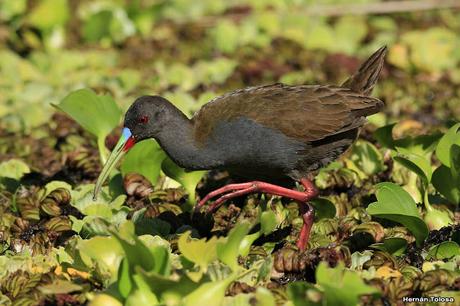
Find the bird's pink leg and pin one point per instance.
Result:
(236, 190)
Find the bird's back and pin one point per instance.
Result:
(281, 130)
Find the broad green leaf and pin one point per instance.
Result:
(14, 169)
(125, 283)
(141, 295)
(211, 293)
(104, 300)
(443, 149)
(395, 246)
(367, 157)
(144, 158)
(49, 13)
(323, 208)
(198, 251)
(417, 163)
(228, 251)
(299, 293)
(188, 180)
(168, 289)
(137, 253)
(60, 286)
(105, 252)
(444, 250)
(268, 222)
(384, 136)
(394, 203)
(341, 286)
(264, 297)
(446, 185)
(99, 115)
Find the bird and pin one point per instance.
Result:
(266, 134)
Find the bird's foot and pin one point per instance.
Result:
(235, 190)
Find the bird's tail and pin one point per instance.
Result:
(364, 79)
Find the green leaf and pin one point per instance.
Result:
(268, 222)
(105, 252)
(144, 158)
(137, 253)
(394, 203)
(49, 13)
(417, 163)
(141, 295)
(299, 292)
(228, 251)
(384, 136)
(59, 286)
(124, 278)
(443, 149)
(99, 115)
(13, 169)
(323, 208)
(264, 297)
(367, 157)
(211, 293)
(341, 286)
(395, 246)
(446, 185)
(198, 251)
(444, 250)
(188, 179)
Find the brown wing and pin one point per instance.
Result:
(307, 113)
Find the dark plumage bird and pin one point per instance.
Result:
(267, 133)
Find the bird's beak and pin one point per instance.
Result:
(125, 142)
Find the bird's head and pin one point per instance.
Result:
(144, 119)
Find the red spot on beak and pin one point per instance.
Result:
(129, 143)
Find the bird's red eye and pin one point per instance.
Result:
(144, 119)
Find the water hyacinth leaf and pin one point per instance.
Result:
(60, 286)
(198, 251)
(444, 250)
(229, 250)
(264, 297)
(211, 293)
(323, 208)
(144, 158)
(395, 246)
(346, 288)
(49, 13)
(455, 162)
(99, 115)
(124, 282)
(188, 179)
(105, 252)
(445, 143)
(165, 288)
(105, 300)
(298, 293)
(446, 185)
(416, 163)
(141, 295)
(384, 136)
(367, 157)
(13, 169)
(137, 253)
(268, 222)
(395, 204)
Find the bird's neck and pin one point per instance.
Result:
(177, 140)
